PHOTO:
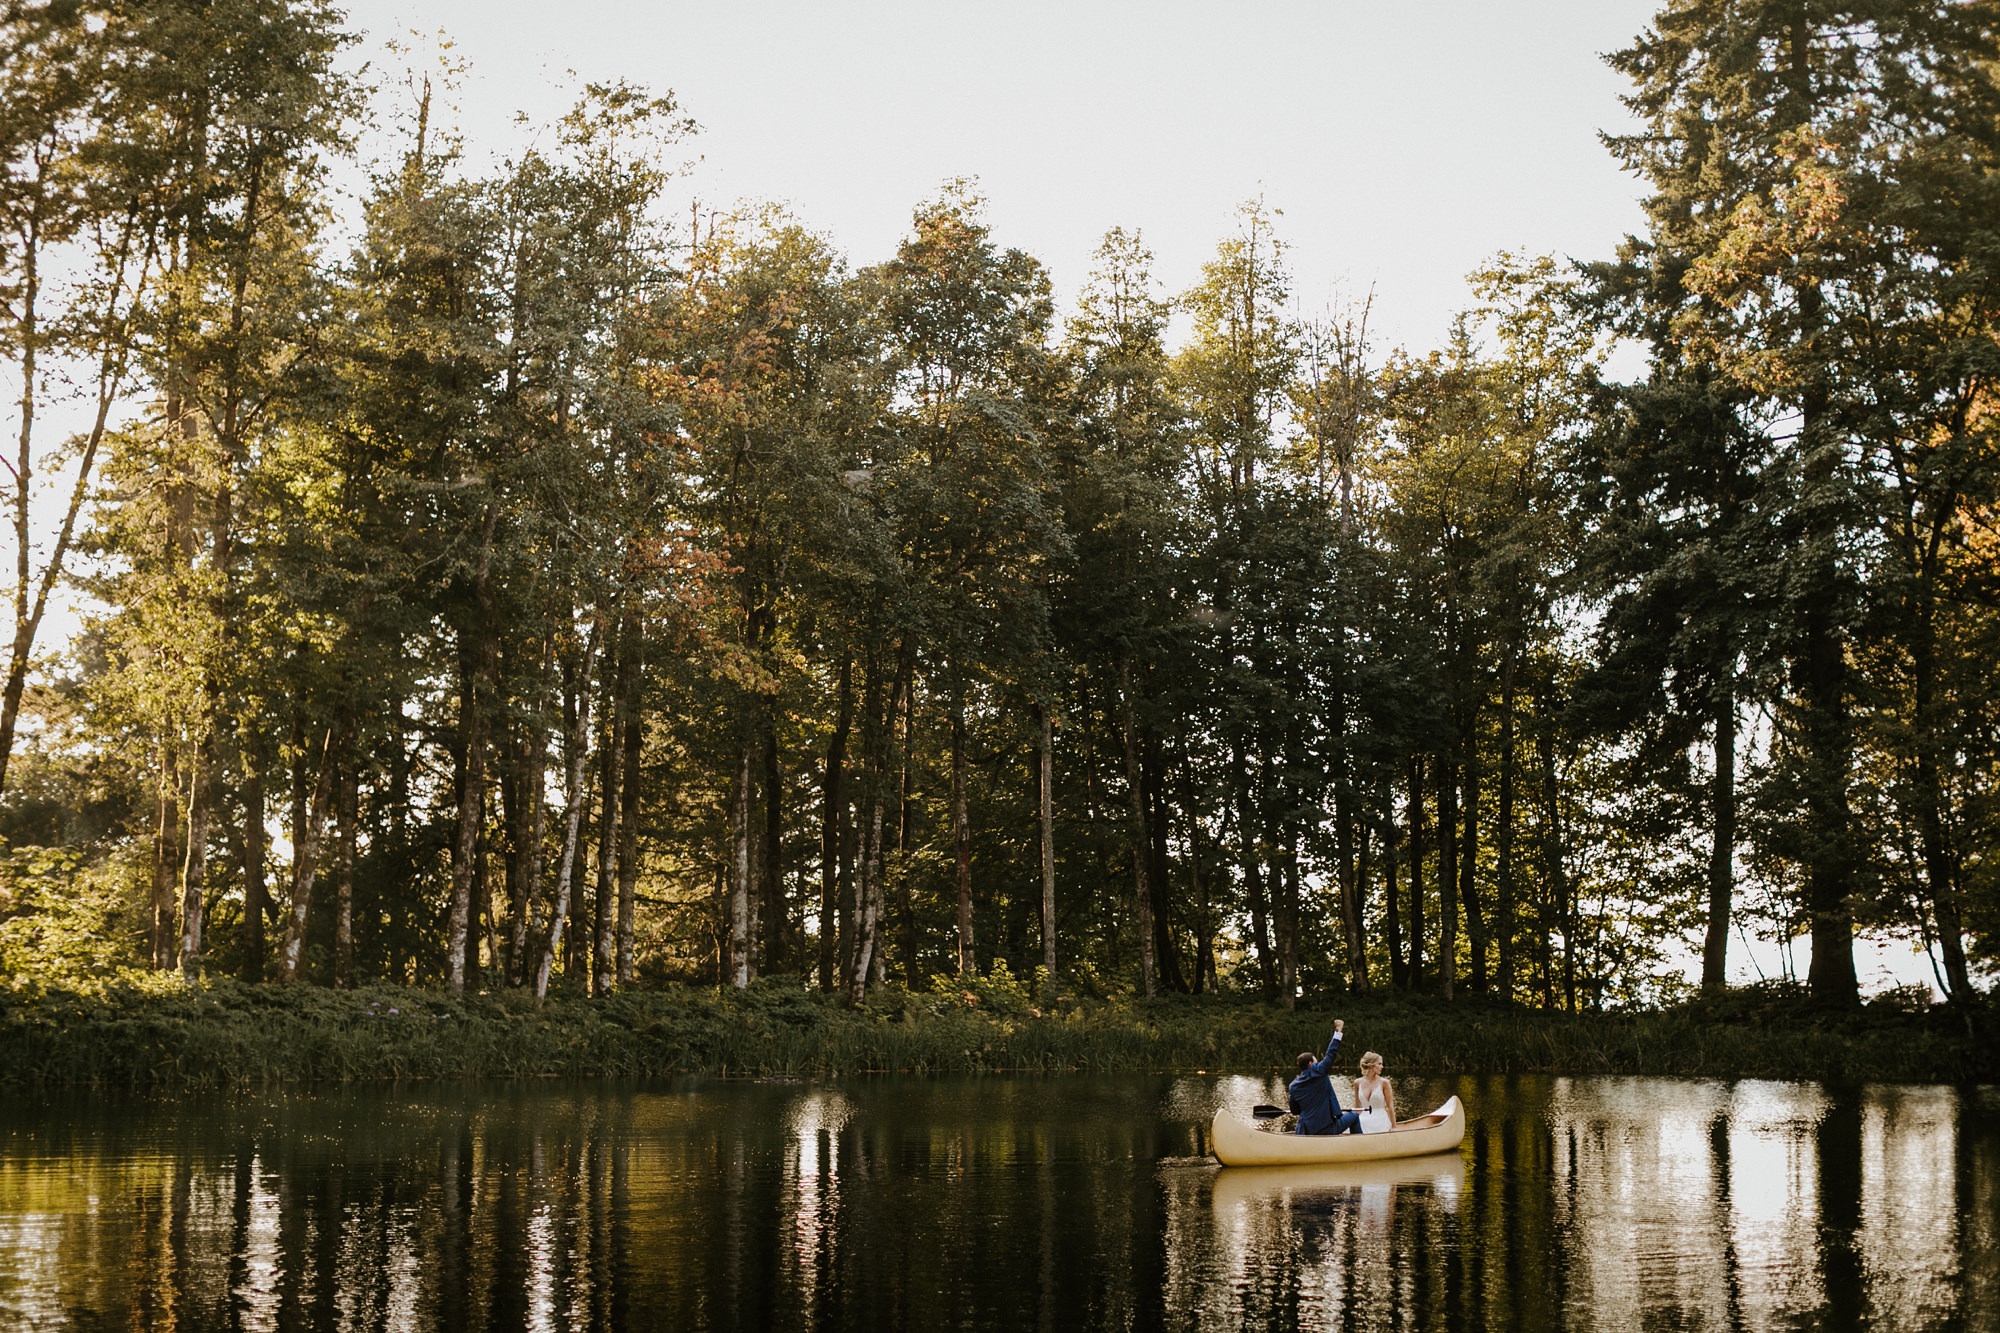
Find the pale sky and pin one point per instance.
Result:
(1404, 140)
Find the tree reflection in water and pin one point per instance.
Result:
(998, 1203)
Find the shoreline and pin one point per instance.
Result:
(167, 1039)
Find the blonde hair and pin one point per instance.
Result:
(1370, 1058)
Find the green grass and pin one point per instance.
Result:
(220, 1034)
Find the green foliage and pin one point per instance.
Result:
(528, 583)
(69, 924)
(995, 991)
(179, 1038)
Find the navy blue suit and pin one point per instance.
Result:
(1315, 1101)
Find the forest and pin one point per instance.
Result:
(517, 574)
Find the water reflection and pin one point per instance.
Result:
(999, 1203)
(1330, 1239)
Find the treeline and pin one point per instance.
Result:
(527, 579)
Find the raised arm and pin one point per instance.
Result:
(1332, 1048)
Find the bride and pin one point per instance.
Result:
(1373, 1097)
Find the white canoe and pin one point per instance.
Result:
(1237, 1142)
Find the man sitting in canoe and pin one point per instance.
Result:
(1313, 1097)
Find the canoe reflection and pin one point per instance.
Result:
(1337, 1245)
(1368, 1183)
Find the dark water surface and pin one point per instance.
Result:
(1005, 1203)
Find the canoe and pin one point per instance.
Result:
(1236, 1142)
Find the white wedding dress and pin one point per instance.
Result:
(1373, 1108)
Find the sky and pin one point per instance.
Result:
(1404, 141)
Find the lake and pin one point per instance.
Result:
(1073, 1202)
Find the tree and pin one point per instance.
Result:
(776, 395)
(65, 150)
(1778, 140)
(1115, 614)
(959, 468)
(1233, 378)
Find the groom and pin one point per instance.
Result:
(1313, 1098)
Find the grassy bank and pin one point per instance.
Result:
(172, 1038)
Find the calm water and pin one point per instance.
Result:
(1003, 1203)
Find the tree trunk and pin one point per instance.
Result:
(868, 886)
(1204, 946)
(1045, 792)
(740, 924)
(471, 814)
(1392, 908)
(1364, 871)
(868, 891)
(1722, 848)
(1249, 860)
(1352, 902)
(194, 865)
(1142, 893)
(1819, 664)
(1414, 972)
(514, 822)
(631, 740)
(832, 820)
(1941, 880)
(906, 908)
(1281, 869)
(307, 833)
(577, 932)
(533, 762)
(395, 957)
(1940, 866)
(1830, 873)
(721, 919)
(1166, 947)
(1559, 891)
(346, 811)
(854, 847)
(256, 896)
(27, 617)
(1468, 856)
(479, 925)
(880, 748)
(1447, 877)
(603, 957)
(515, 749)
(1285, 874)
(961, 840)
(475, 657)
(777, 905)
(1503, 904)
(166, 858)
(578, 797)
(26, 337)
(1349, 886)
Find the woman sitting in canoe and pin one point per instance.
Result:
(1374, 1099)
(1313, 1098)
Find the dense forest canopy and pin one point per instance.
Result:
(535, 578)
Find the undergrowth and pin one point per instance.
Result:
(172, 1036)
